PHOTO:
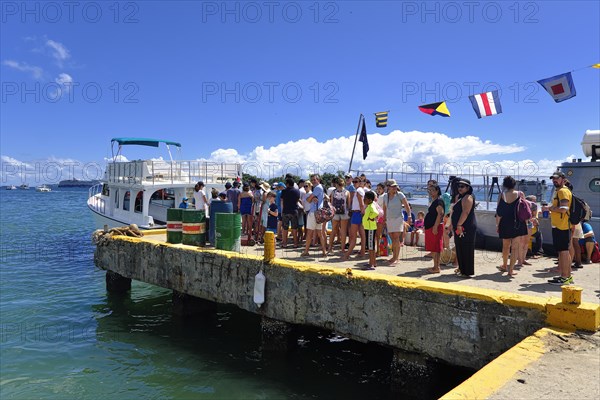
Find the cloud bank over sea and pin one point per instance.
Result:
(398, 152)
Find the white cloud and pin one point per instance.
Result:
(59, 51)
(64, 79)
(36, 72)
(119, 158)
(226, 156)
(397, 151)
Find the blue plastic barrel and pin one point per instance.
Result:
(217, 206)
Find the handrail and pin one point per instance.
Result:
(159, 171)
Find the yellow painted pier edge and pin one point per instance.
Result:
(584, 316)
(493, 376)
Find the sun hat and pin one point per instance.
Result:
(265, 186)
(392, 182)
(464, 182)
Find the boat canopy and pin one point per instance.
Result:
(143, 142)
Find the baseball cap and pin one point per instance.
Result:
(228, 185)
(557, 174)
(185, 198)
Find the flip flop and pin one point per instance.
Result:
(501, 269)
(432, 271)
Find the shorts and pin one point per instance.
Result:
(395, 224)
(274, 230)
(587, 240)
(288, 219)
(356, 218)
(370, 236)
(340, 217)
(311, 222)
(434, 243)
(301, 218)
(561, 239)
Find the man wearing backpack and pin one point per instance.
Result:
(561, 229)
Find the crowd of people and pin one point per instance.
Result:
(364, 219)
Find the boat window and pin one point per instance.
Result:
(138, 207)
(163, 198)
(126, 201)
(117, 198)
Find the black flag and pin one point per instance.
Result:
(363, 139)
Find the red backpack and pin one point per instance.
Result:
(596, 254)
(522, 209)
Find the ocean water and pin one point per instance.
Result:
(63, 337)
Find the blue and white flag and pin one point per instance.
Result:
(560, 87)
(486, 104)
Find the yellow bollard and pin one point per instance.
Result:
(269, 246)
(571, 294)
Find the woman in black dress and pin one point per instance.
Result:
(464, 226)
(509, 228)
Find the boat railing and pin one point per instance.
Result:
(96, 202)
(163, 172)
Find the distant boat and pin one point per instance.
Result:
(24, 186)
(77, 183)
(43, 188)
(11, 187)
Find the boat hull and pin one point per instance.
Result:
(100, 221)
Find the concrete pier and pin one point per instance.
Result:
(456, 324)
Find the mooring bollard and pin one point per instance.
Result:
(269, 246)
(571, 294)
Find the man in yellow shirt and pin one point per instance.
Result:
(561, 229)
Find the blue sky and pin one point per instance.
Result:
(286, 81)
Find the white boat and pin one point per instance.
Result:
(584, 175)
(140, 192)
(43, 188)
(24, 186)
(11, 187)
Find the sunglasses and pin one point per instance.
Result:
(355, 181)
(461, 186)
